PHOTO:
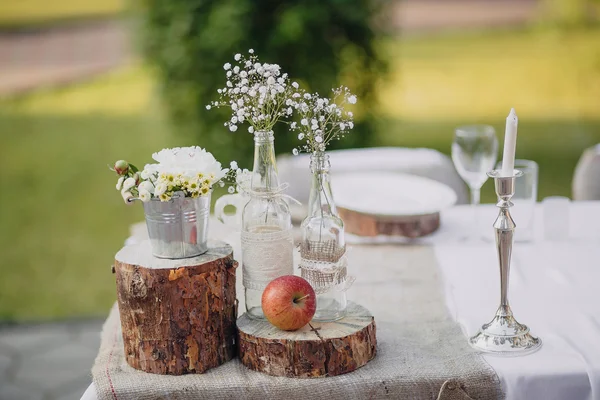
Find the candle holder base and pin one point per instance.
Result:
(504, 336)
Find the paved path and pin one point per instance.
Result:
(49, 361)
(49, 57)
(29, 60)
(413, 16)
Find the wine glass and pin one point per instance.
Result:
(474, 153)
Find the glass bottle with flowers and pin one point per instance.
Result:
(323, 248)
(261, 95)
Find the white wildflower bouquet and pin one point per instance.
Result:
(191, 171)
(257, 93)
(322, 119)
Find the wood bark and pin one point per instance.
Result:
(316, 350)
(370, 225)
(177, 316)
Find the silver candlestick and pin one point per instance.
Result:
(503, 335)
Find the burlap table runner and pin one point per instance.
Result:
(421, 353)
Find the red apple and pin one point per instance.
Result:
(289, 302)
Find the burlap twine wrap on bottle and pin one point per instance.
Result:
(324, 266)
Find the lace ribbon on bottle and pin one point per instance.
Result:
(267, 253)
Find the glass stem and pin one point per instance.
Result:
(475, 199)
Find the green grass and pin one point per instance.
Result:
(15, 13)
(62, 220)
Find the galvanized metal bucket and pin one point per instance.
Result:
(178, 228)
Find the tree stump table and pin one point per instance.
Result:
(177, 316)
(316, 350)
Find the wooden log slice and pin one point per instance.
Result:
(371, 225)
(317, 350)
(178, 316)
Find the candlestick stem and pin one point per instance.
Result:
(504, 335)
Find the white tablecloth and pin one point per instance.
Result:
(554, 289)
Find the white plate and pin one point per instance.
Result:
(389, 194)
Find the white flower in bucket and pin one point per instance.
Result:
(144, 195)
(128, 184)
(120, 183)
(176, 193)
(192, 171)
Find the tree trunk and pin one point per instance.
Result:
(178, 316)
(318, 349)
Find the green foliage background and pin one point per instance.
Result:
(321, 43)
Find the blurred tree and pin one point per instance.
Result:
(321, 43)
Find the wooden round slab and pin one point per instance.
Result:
(362, 224)
(316, 350)
(178, 316)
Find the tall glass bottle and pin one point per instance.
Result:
(267, 243)
(323, 247)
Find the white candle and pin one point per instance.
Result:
(510, 143)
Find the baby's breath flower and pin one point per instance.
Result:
(231, 189)
(251, 51)
(256, 93)
(208, 107)
(295, 152)
(322, 119)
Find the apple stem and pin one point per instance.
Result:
(302, 298)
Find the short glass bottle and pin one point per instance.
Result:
(323, 261)
(266, 238)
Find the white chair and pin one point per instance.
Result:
(586, 180)
(427, 163)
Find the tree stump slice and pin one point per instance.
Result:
(415, 226)
(177, 316)
(316, 350)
